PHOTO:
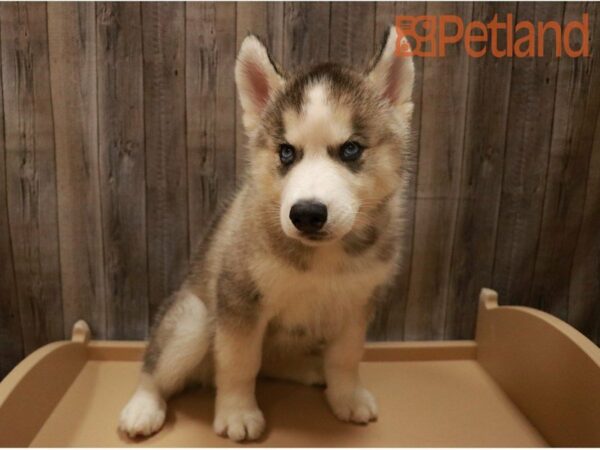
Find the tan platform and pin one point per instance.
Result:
(527, 380)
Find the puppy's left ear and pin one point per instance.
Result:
(393, 75)
(256, 78)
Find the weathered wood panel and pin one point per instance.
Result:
(531, 112)
(441, 144)
(210, 48)
(481, 182)
(166, 159)
(72, 44)
(122, 167)
(584, 292)
(11, 338)
(31, 171)
(584, 272)
(352, 33)
(306, 34)
(577, 105)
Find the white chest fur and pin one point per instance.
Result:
(320, 299)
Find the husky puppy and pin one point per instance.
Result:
(283, 284)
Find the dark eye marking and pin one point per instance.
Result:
(349, 154)
(350, 151)
(287, 154)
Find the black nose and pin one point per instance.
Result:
(308, 216)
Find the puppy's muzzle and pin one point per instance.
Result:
(308, 216)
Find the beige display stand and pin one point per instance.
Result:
(528, 379)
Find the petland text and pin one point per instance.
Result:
(504, 39)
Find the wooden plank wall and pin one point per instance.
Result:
(121, 133)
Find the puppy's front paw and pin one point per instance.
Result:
(356, 405)
(239, 425)
(143, 415)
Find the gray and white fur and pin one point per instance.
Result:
(283, 284)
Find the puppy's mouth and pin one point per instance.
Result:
(316, 238)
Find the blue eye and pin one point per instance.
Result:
(287, 154)
(350, 151)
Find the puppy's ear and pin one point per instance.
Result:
(256, 78)
(392, 75)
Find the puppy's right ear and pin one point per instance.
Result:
(393, 76)
(256, 78)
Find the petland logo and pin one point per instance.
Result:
(428, 36)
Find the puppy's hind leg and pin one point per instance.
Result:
(177, 346)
